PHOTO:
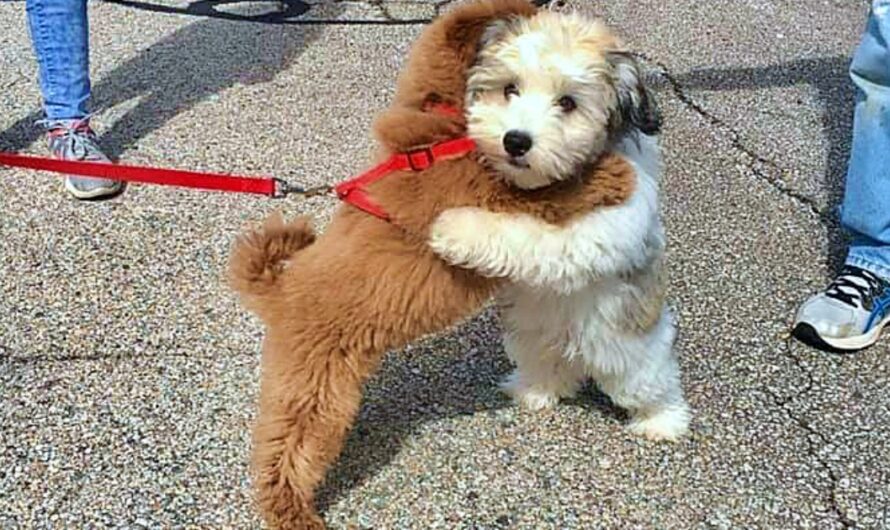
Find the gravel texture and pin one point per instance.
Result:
(128, 373)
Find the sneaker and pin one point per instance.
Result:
(849, 315)
(75, 140)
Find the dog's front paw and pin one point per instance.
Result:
(670, 423)
(533, 399)
(456, 234)
(535, 396)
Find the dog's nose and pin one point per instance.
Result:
(517, 143)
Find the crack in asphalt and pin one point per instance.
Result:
(738, 144)
(46, 359)
(384, 11)
(815, 439)
(7, 356)
(12, 83)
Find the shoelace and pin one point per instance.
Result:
(854, 286)
(75, 139)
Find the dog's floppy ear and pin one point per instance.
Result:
(471, 25)
(494, 31)
(636, 104)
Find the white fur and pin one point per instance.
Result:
(566, 313)
(604, 243)
(546, 57)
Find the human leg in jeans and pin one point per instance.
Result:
(851, 312)
(60, 35)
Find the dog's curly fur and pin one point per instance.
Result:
(586, 300)
(333, 306)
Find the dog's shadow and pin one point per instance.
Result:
(445, 377)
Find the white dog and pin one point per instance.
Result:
(547, 97)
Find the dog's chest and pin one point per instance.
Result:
(597, 307)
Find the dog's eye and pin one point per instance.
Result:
(567, 103)
(511, 90)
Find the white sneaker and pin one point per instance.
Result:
(849, 315)
(75, 140)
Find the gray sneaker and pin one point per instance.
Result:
(74, 140)
(848, 315)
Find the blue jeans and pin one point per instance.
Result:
(866, 208)
(60, 34)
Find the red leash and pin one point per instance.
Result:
(351, 191)
(147, 175)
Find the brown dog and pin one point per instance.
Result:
(333, 306)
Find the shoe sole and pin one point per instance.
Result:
(808, 335)
(97, 193)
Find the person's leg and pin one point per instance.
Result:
(852, 311)
(866, 206)
(60, 36)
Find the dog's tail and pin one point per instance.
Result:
(259, 257)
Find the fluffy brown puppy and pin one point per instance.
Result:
(333, 306)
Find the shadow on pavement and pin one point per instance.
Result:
(425, 384)
(836, 93)
(181, 70)
(287, 12)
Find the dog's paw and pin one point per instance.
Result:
(670, 424)
(456, 234)
(534, 397)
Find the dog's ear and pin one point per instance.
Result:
(494, 31)
(636, 104)
(471, 25)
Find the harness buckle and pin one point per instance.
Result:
(420, 159)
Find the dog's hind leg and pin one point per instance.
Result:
(543, 374)
(644, 378)
(307, 405)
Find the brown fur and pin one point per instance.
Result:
(334, 306)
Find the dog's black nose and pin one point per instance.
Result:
(517, 143)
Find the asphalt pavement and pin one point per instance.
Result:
(128, 371)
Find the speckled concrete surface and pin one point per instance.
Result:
(128, 372)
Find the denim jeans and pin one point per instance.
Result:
(60, 34)
(866, 208)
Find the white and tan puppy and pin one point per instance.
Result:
(548, 96)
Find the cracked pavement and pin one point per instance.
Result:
(128, 372)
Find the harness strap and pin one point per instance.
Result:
(353, 190)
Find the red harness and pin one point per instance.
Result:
(351, 191)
